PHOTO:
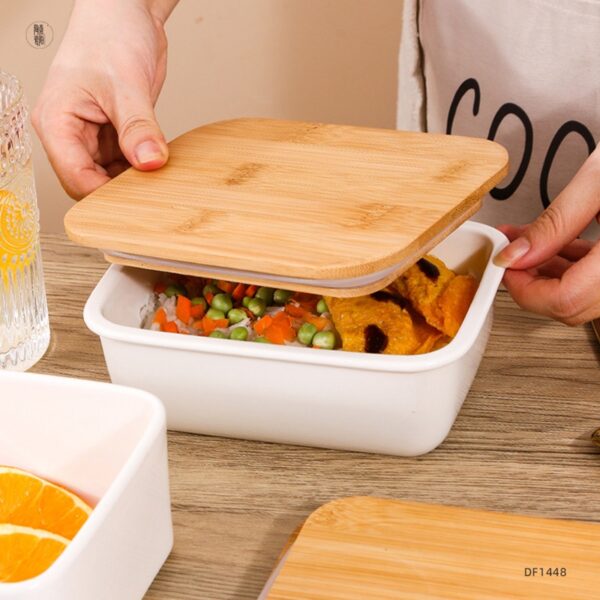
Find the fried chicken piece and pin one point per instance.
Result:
(380, 324)
(437, 293)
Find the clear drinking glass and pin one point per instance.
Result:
(24, 329)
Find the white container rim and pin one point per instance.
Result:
(156, 424)
(492, 276)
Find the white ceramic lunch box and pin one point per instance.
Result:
(403, 405)
(108, 444)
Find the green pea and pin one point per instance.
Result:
(222, 302)
(239, 333)
(280, 297)
(246, 301)
(175, 290)
(218, 334)
(322, 306)
(235, 315)
(199, 301)
(215, 314)
(306, 333)
(210, 288)
(324, 339)
(262, 340)
(266, 294)
(257, 306)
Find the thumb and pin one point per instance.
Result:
(568, 215)
(140, 138)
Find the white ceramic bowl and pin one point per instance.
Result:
(402, 405)
(108, 444)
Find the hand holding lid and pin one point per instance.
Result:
(315, 207)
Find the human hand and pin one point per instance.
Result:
(549, 270)
(95, 116)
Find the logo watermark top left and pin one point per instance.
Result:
(39, 34)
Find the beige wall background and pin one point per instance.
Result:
(323, 60)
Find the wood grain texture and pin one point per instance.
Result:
(521, 444)
(292, 199)
(365, 548)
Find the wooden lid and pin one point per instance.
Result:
(312, 206)
(376, 549)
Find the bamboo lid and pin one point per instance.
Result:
(366, 548)
(322, 208)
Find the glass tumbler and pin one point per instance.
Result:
(24, 329)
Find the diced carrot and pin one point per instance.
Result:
(209, 297)
(160, 316)
(261, 325)
(281, 329)
(238, 291)
(209, 325)
(319, 322)
(197, 325)
(251, 290)
(279, 332)
(282, 318)
(226, 286)
(197, 311)
(294, 310)
(170, 326)
(183, 309)
(289, 333)
(160, 287)
(274, 334)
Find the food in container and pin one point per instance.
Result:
(385, 322)
(402, 405)
(437, 293)
(382, 323)
(38, 519)
(107, 445)
(336, 210)
(26, 552)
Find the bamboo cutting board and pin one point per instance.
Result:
(311, 206)
(375, 549)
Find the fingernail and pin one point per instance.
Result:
(148, 152)
(512, 253)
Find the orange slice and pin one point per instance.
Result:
(30, 501)
(18, 229)
(27, 552)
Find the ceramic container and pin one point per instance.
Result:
(403, 405)
(108, 444)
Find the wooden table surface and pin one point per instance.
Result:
(521, 443)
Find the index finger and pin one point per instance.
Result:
(566, 217)
(573, 298)
(70, 158)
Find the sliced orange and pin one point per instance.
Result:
(30, 501)
(26, 552)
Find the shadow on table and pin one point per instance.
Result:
(272, 547)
